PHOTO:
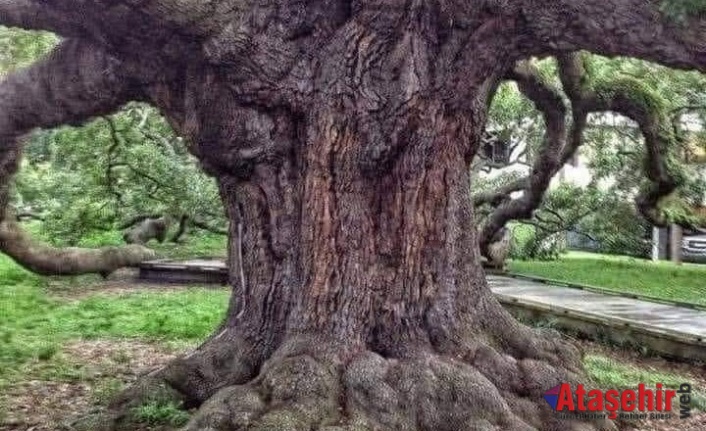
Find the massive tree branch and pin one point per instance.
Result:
(47, 260)
(35, 15)
(165, 27)
(629, 97)
(633, 28)
(73, 84)
(76, 81)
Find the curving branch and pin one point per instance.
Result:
(167, 27)
(73, 84)
(34, 15)
(501, 194)
(112, 163)
(633, 28)
(558, 147)
(624, 95)
(208, 228)
(629, 97)
(28, 215)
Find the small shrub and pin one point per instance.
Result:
(531, 243)
(155, 413)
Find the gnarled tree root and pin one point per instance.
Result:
(307, 384)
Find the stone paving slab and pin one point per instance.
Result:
(660, 318)
(186, 264)
(198, 271)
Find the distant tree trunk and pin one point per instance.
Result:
(499, 249)
(675, 240)
(655, 244)
(148, 229)
(181, 229)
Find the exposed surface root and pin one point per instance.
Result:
(487, 376)
(478, 377)
(314, 389)
(224, 360)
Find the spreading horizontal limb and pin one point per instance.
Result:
(75, 83)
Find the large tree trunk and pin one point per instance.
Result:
(358, 300)
(365, 286)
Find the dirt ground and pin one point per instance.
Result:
(105, 366)
(120, 282)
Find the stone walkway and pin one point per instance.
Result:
(661, 321)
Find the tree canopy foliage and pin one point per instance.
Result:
(612, 147)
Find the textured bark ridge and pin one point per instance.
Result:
(341, 135)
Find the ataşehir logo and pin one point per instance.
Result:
(657, 402)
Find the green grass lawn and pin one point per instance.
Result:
(686, 283)
(609, 373)
(34, 323)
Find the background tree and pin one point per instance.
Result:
(341, 136)
(615, 149)
(114, 173)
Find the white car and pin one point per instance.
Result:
(693, 246)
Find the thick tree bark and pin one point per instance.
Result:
(352, 251)
(341, 135)
(355, 280)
